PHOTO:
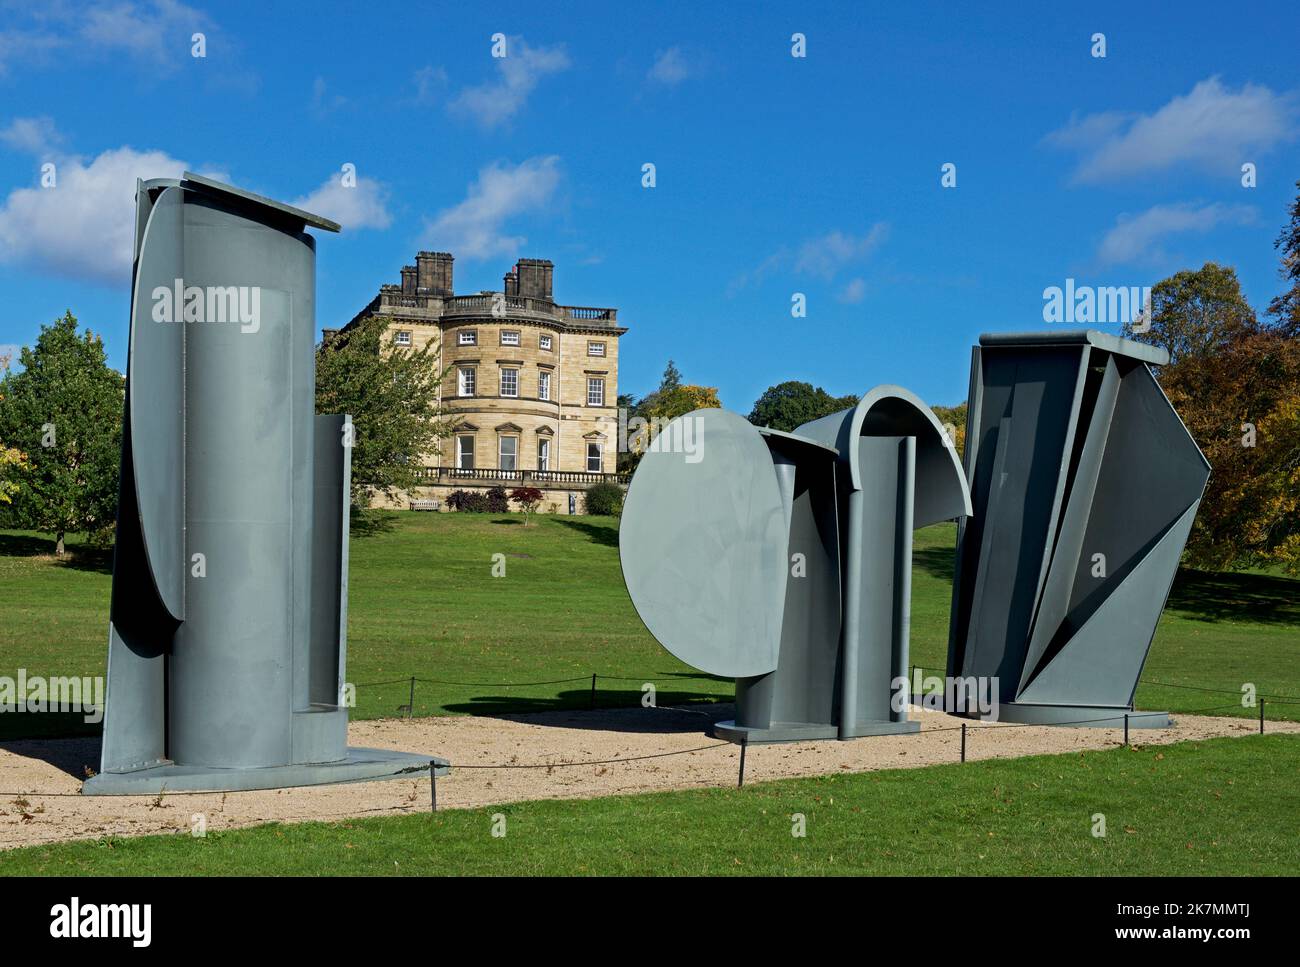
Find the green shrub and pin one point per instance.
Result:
(605, 499)
(497, 501)
(469, 502)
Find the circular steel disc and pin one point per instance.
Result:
(703, 545)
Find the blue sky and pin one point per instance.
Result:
(774, 174)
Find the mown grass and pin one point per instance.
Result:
(1219, 807)
(424, 603)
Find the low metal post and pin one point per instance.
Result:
(1261, 716)
(744, 744)
(433, 784)
(963, 742)
(1126, 729)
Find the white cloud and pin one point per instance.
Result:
(32, 135)
(84, 227)
(474, 228)
(363, 206)
(497, 101)
(322, 102)
(1135, 239)
(149, 31)
(429, 82)
(155, 33)
(854, 292)
(824, 256)
(669, 67)
(16, 45)
(1211, 127)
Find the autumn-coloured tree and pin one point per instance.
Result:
(1235, 381)
(1242, 406)
(527, 498)
(671, 400)
(953, 419)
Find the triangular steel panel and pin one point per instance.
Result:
(1054, 602)
(1101, 662)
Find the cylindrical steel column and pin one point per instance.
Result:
(239, 654)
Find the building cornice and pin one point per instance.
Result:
(478, 309)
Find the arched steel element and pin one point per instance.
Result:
(898, 471)
(887, 410)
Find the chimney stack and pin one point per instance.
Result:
(433, 273)
(408, 280)
(534, 278)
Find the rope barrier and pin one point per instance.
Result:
(594, 762)
(418, 770)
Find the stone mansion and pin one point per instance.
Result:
(531, 387)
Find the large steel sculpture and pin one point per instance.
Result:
(227, 638)
(783, 560)
(1085, 484)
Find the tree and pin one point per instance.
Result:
(791, 404)
(527, 498)
(668, 384)
(12, 460)
(62, 413)
(1285, 308)
(679, 401)
(1236, 385)
(1242, 406)
(671, 400)
(672, 378)
(1197, 312)
(391, 393)
(953, 419)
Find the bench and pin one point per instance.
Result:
(425, 505)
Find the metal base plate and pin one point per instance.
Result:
(1079, 716)
(805, 731)
(361, 765)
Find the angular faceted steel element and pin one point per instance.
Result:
(227, 633)
(1085, 484)
(783, 560)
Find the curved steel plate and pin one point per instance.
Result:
(703, 547)
(156, 388)
(887, 410)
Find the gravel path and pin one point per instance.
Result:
(38, 769)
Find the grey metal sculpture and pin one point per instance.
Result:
(1085, 484)
(227, 636)
(783, 560)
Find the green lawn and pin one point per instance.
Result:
(424, 603)
(1219, 630)
(1221, 807)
